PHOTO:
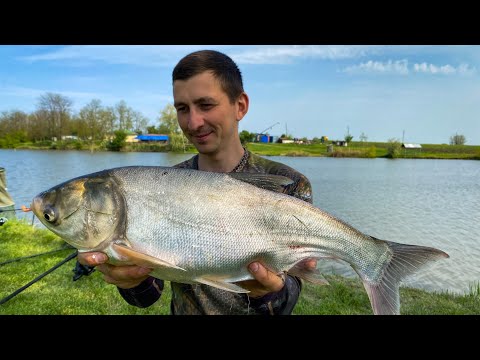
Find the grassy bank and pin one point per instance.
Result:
(354, 149)
(58, 294)
(368, 150)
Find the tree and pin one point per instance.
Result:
(348, 138)
(38, 125)
(118, 142)
(457, 140)
(246, 137)
(91, 116)
(151, 130)
(58, 109)
(140, 122)
(13, 128)
(168, 121)
(122, 112)
(393, 148)
(109, 120)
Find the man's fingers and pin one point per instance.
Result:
(92, 258)
(123, 273)
(268, 279)
(311, 264)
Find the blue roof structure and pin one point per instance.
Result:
(152, 137)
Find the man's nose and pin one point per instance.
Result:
(195, 120)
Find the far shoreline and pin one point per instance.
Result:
(353, 150)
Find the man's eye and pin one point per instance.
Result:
(206, 106)
(181, 109)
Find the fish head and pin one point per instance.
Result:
(84, 211)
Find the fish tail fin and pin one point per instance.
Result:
(406, 259)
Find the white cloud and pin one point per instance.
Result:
(391, 67)
(168, 55)
(463, 69)
(286, 54)
(145, 55)
(402, 67)
(31, 92)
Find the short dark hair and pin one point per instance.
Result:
(222, 67)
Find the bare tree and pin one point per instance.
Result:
(140, 122)
(457, 140)
(90, 115)
(58, 109)
(110, 120)
(38, 124)
(124, 115)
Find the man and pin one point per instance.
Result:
(210, 101)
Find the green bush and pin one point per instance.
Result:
(393, 148)
(118, 142)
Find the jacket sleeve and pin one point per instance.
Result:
(145, 294)
(281, 302)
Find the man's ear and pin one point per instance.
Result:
(242, 103)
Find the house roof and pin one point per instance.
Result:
(153, 137)
(412, 146)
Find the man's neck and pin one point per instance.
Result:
(224, 161)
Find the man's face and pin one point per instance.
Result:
(205, 113)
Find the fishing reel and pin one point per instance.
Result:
(81, 270)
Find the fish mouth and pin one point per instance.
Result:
(36, 206)
(45, 213)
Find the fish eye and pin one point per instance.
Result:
(49, 214)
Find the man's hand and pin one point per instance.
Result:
(125, 277)
(267, 281)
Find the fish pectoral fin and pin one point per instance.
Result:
(219, 284)
(311, 275)
(142, 259)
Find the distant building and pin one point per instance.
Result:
(412, 146)
(158, 138)
(340, 142)
(131, 139)
(69, 137)
(265, 138)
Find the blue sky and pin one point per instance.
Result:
(428, 92)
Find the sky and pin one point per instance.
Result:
(418, 94)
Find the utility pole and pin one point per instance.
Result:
(286, 130)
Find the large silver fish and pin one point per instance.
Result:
(204, 227)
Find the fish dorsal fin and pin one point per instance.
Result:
(219, 284)
(265, 181)
(141, 259)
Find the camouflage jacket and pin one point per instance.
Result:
(200, 299)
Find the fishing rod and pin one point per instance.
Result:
(35, 255)
(22, 208)
(16, 292)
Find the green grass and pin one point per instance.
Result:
(346, 296)
(57, 294)
(367, 149)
